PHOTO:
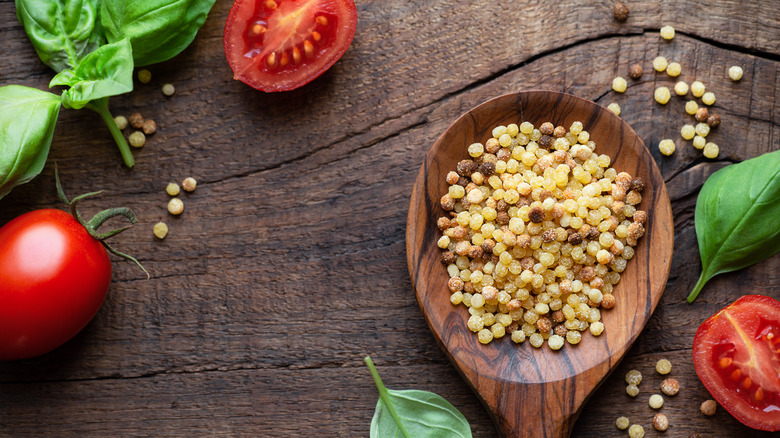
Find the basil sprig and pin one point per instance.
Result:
(414, 414)
(737, 217)
(93, 45)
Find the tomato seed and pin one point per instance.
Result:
(271, 4)
(322, 20)
(271, 59)
(759, 395)
(258, 29)
(316, 36)
(724, 362)
(308, 48)
(285, 60)
(736, 374)
(296, 53)
(747, 383)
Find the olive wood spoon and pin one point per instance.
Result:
(533, 392)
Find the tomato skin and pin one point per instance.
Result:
(736, 353)
(247, 54)
(53, 279)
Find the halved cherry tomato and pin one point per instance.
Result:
(280, 45)
(736, 353)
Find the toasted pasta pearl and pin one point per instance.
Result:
(674, 69)
(688, 132)
(691, 107)
(708, 98)
(666, 147)
(615, 108)
(681, 88)
(735, 73)
(660, 63)
(619, 84)
(662, 95)
(667, 32)
(697, 88)
(711, 150)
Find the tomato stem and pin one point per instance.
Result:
(98, 219)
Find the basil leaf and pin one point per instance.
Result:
(737, 217)
(27, 119)
(61, 31)
(107, 71)
(414, 414)
(158, 29)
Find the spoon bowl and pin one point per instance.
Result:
(532, 392)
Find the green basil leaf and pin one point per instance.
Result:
(27, 119)
(107, 71)
(414, 414)
(61, 31)
(158, 29)
(737, 217)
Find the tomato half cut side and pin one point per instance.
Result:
(280, 45)
(736, 353)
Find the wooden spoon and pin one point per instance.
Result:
(538, 392)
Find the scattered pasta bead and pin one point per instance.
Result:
(121, 122)
(636, 431)
(670, 386)
(632, 390)
(137, 139)
(660, 422)
(635, 71)
(160, 230)
(175, 206)
(735, 73)
(708, 98)
(172, 189)
(674, 69)
(711, 150)
(656, 401)
(634, 377)
(485, 336)
(663, 366)
(691, 107)
(681, 89)
(697, 88)
(699, 142)
(555, 342)
(708, 407)
(144, 76)
(666, 147)
(667, 32)
(614, 107)
(475, 150)
(168, 89)
(688, 132)
(662, 95)
(619, 84)
(622, 423)
(701, 114)
(702, 129)
(189, 184)
(660, 63)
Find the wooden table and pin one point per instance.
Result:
(288, 265)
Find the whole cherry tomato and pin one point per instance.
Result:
(54, 276)
(280, 45)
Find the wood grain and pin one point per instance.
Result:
(517, 382)
(288, 265)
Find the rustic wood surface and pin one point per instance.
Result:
(288, 265)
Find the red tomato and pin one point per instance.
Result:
(280, 45)
(737, 356)
(53, 279)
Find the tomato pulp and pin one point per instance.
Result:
(280, 45)
(53, 279)
(736, 353)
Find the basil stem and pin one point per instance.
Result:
(100, 106)
(414, 414)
